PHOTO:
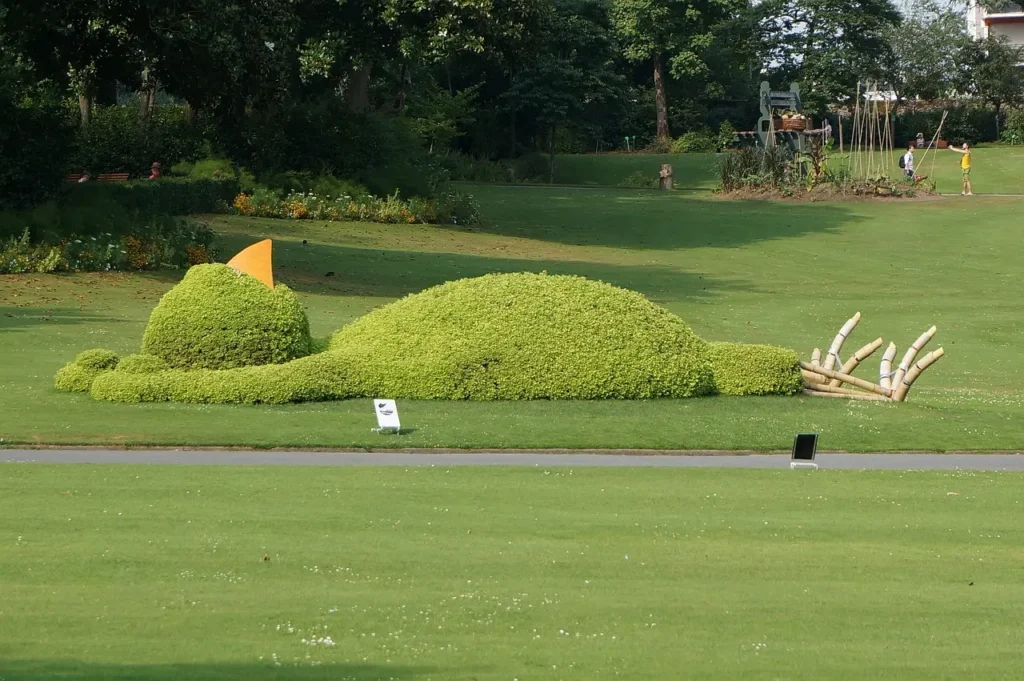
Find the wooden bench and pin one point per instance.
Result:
(105, 177)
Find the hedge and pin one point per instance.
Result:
(222, 337)
(741, 369)
(78, 376)
(317, 378)
(147, 198)
(522, 337)
(216, 318)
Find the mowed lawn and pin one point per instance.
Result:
(150, 573)
(996, 170)
(757, 272)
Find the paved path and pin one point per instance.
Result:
(979, 462)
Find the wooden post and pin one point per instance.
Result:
(665, 179)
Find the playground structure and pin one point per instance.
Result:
(772, 128)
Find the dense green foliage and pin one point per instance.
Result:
(141, 364)
(525, 336)
(116, 141)
(219, 319)
(78, 376)
(743, 369)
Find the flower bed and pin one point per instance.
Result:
(451, 207)
(168, 244)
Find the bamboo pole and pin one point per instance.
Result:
(816, 357)
(855, 149)
(811, 377)
(934, 145)
(837, 342)
(915, 371)
(859, 357)
(846, 378)
(869, 398)
(908, 358)
(824, 388)
(885, 372)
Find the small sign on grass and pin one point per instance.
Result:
(387, 416)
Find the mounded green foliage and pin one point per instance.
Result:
(97, 359)
(317, 378)
(75, 378)
(142, 364)
(216, 318)
(742, 369)
(525, 336)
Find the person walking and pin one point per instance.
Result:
(965, 168)
(907, 162)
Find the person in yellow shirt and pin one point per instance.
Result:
(965, 167)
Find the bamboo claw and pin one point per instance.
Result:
(837, 342)
(858, 396)
(857, 358)
(915, 371)
(884, 377)
(825, 388)
(846, 378)
(908, 358)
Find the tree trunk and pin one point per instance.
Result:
(403, 89)
(85, 107)
(999, 106)
(661, 99)
(551, 162)
(147, 98)
(357, 94)
(190, 114)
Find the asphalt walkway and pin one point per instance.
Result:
(975, 462)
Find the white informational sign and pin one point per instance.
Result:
(387, 415)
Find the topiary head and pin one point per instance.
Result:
(217, 318)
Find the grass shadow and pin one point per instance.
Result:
(22, 318)
(659, 221)
(329, 269)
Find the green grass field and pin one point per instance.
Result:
(997, 170)
(760, 272)
(154, 573)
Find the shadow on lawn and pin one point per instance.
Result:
(342, 270)
(587, 217)
(43, 670)
(22, 318)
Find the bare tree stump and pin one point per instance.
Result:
(665, 178)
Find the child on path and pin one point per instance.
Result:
(965, 167)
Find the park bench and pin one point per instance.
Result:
(103, 177)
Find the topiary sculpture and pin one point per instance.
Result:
(218, 318)
(223, 336)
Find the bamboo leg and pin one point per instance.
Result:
(823, 388)
(915, 371)
(811, 377)
(816, 357)
(911, 354)
(869, 398)
(859, 357)
(846, 378)
(885, 372)
(837, 343)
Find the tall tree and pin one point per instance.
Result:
(924, 50)
(674, 37)
(991, 70)
(574, 72)
(827, 45)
